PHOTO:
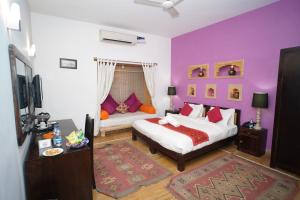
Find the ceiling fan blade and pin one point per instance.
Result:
(177, 2)
(173, 12)
(148, 2)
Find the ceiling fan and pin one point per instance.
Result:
(167, 5)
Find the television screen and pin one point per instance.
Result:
(37, 91)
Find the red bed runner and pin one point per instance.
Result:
(197, 136)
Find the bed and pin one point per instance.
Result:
(180, 147)
(118, 121)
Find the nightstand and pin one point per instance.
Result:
(171, 111)
(252, 141)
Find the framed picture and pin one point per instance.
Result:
(211, 91)
(68, 63)
(191, 90)
(235, 92)
(229, 69)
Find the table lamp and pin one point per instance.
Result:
(259, 100)
(171, 92)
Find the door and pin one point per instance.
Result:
(286, 136)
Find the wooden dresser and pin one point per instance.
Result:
(252, 141)
(64, 177)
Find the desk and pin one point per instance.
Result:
(67, 176)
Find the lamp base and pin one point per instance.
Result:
(258, 117)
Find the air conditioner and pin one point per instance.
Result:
(117, 37)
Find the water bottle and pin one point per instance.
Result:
(57, 140)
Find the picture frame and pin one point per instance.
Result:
(235, 92)
(198, 71)
(191, 90)
(68, 63)
(211, 91)
(229, 69)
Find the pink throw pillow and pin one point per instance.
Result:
(109, 104)
(131, 100)
(214, 115)
(186, 109)
(135, 106)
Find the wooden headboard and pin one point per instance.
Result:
(237, 116)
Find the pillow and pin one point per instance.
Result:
(122, 108)
(135, 106)
(227, 115)
(186, 109)
(197, 110)
(214, 115)
(104, 115)
(147, 109)
(109, 104)
(171, 120)
(131, 100)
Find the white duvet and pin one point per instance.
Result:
(179, 142)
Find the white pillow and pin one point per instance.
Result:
(197, 110)
(227, 115)
(171, 120)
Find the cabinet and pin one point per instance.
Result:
(67, 176)
(286, 137)
(252, 141)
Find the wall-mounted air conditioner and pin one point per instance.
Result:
(117, 37)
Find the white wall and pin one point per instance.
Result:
(72, 93)
(12, 156)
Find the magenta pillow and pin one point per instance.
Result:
(131, 100)
(135, 106)
(214, 115)
(186, 109)
(109, 104)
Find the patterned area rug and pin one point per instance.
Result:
(232, 178)
(121, 169)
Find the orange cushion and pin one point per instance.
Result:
(104, 115)
(147, 109)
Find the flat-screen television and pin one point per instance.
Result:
(37, 92)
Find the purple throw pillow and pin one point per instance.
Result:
(131, 100)
(135, 106)
(109, 104)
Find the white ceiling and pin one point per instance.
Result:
(126, 14)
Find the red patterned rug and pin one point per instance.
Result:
(232, 178)
(121, 169)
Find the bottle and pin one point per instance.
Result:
(57, 140)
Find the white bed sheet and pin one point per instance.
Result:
(126, 118)
(179, 142)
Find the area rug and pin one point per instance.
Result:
(232, 178)
(121, 169)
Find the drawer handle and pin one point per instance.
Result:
(241, 141)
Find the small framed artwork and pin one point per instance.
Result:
(191, 90)
(211, 91)
(235, 92)
(68, 63)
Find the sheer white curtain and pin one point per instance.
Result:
(105, 77)
(150, 73)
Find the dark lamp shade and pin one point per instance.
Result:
(171, 90)
(260, 100)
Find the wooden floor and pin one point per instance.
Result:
(158, 190)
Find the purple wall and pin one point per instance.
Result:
(256, 37)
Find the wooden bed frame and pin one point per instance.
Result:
(182, 158)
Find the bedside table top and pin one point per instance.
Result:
(172, 111)
(252, 129)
